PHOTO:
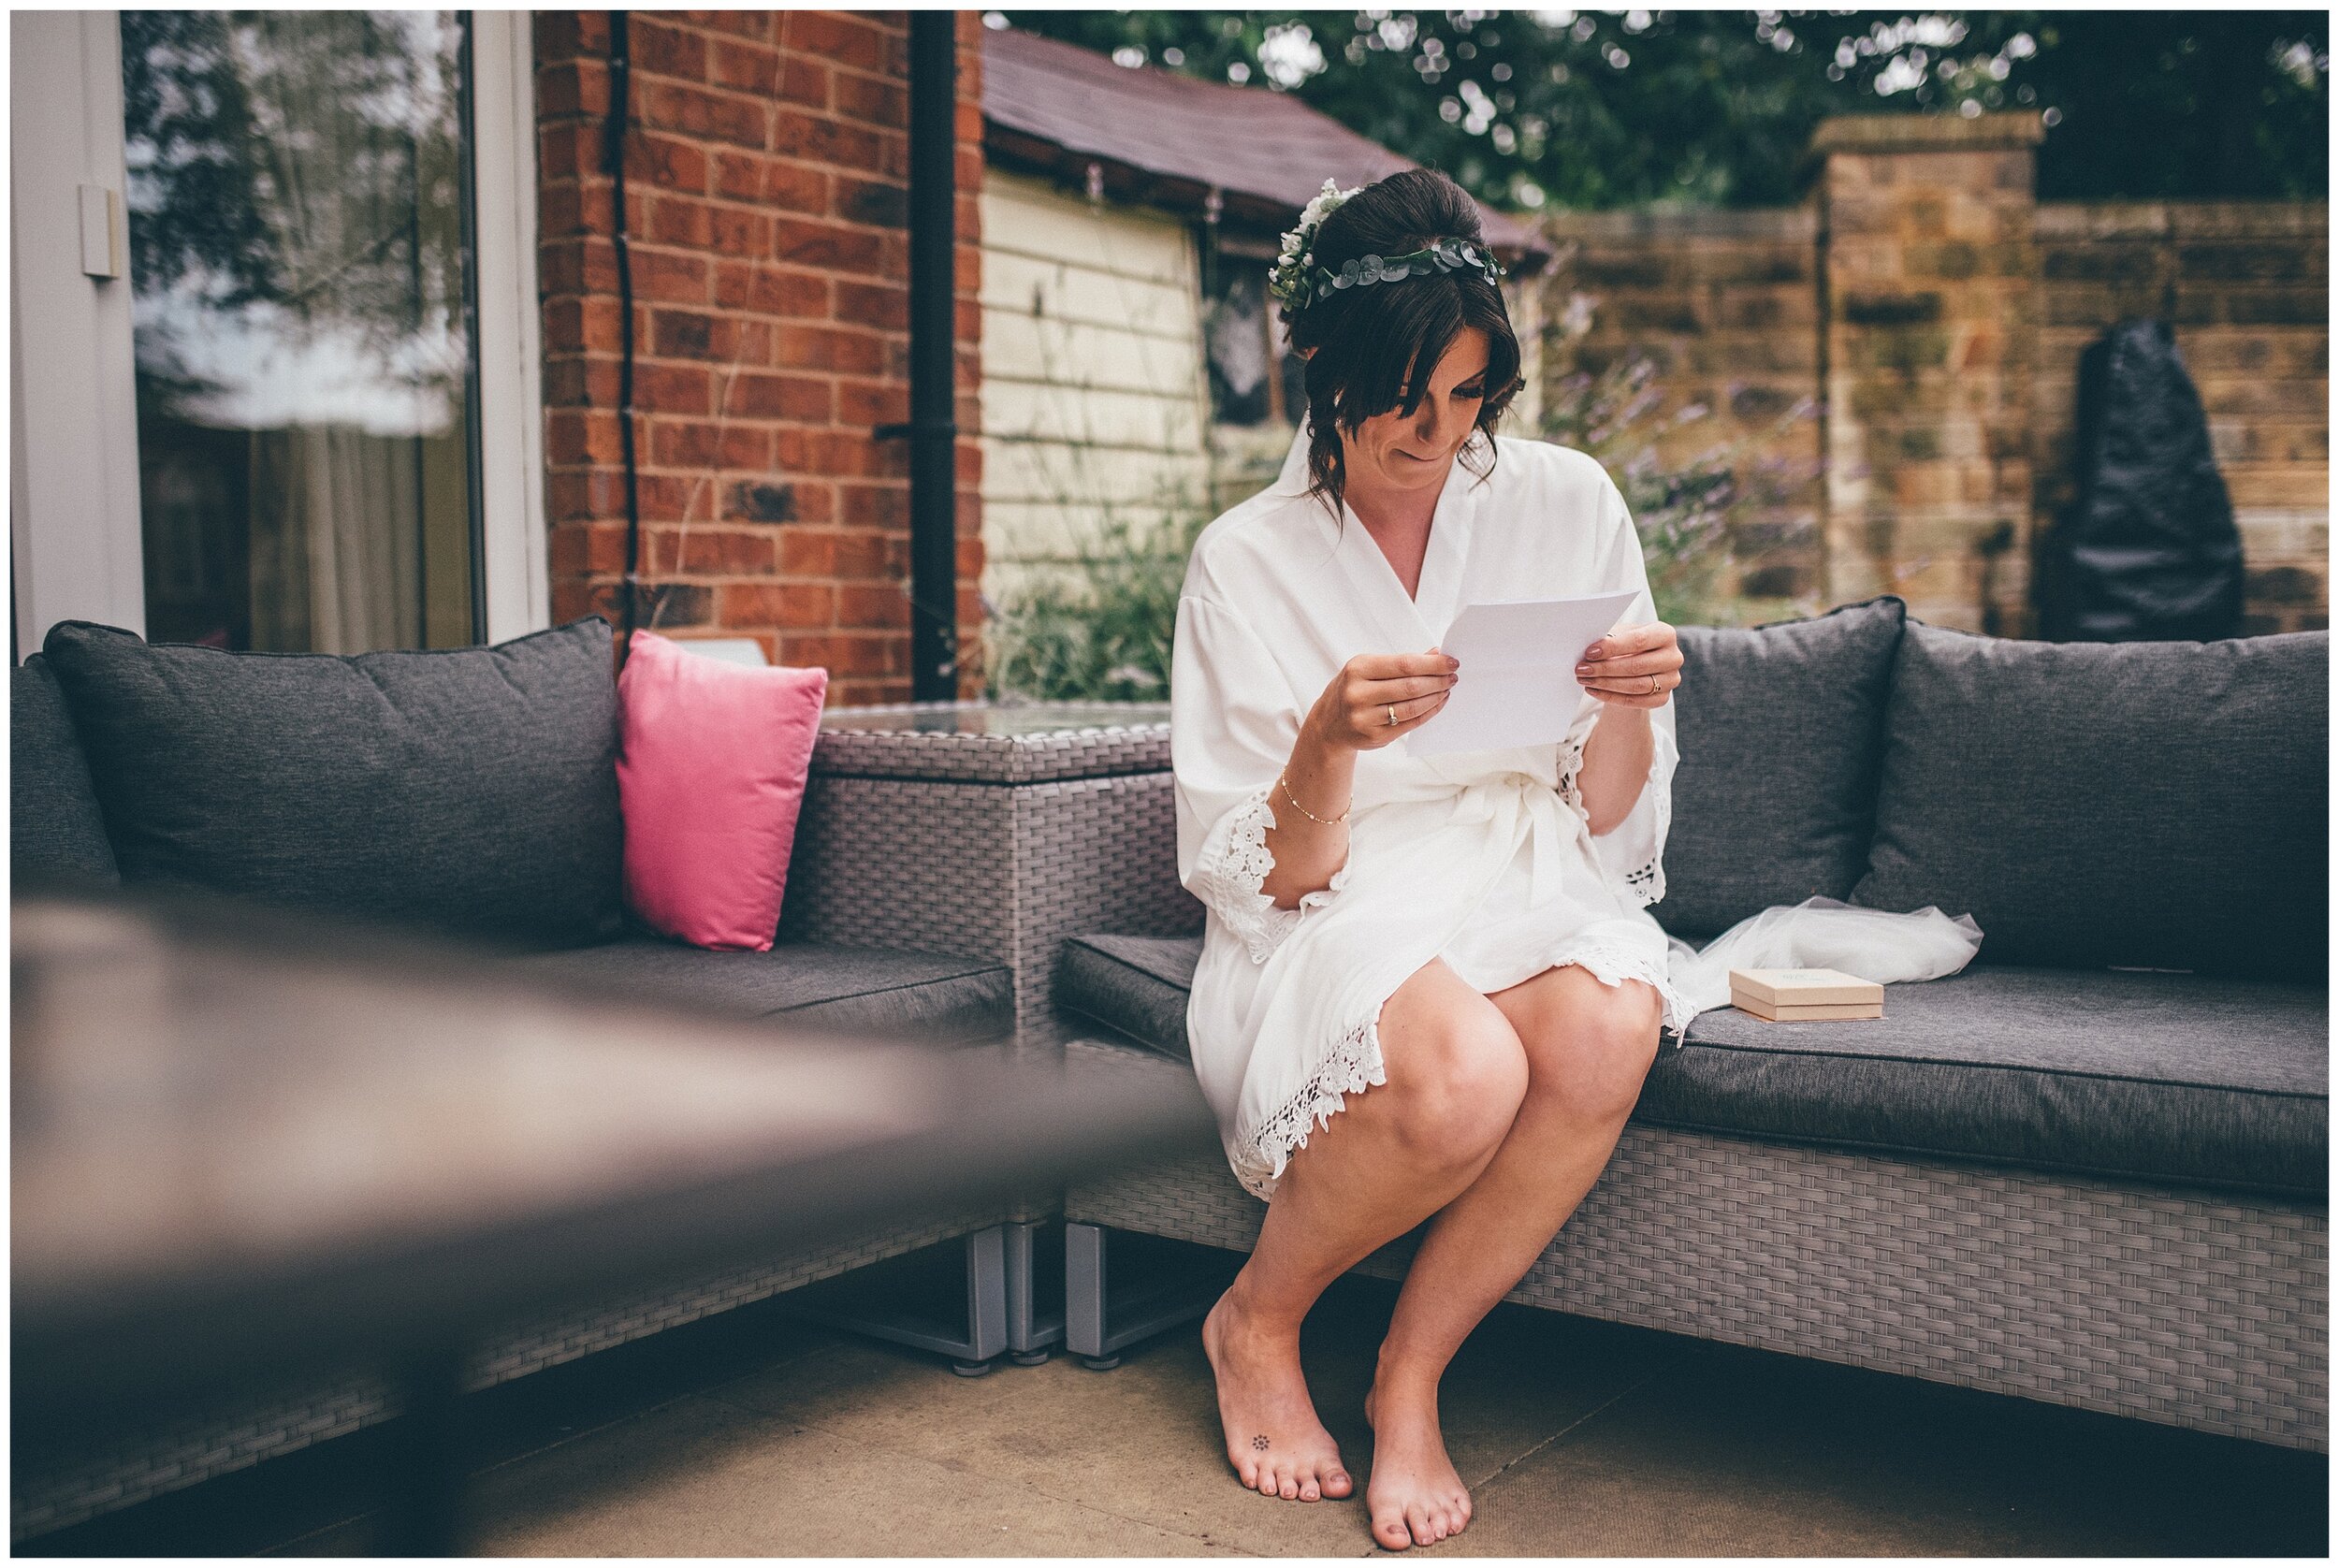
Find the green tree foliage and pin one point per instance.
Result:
(1601, 109)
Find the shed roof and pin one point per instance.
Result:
(1166, 139)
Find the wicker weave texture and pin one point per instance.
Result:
(2200, 1310)
(852, 741)
(198, 1448)
(999, 872)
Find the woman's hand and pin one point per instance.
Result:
(1308, 846)
(1634, 666)
(1356, 710)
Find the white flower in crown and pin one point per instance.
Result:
(1289, 280)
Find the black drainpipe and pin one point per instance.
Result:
(612, 164)
(933, 430)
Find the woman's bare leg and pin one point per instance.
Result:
(1587, 1047)
(1395, 1155)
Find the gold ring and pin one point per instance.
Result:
(1392, 712)
(1654, 686)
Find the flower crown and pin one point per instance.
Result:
(1299, 282)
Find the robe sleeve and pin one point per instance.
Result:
(1234, 720)
(1632, 851)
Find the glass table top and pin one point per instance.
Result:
(995, 719)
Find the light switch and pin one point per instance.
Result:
(101, 256)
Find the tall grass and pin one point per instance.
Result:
(1098, 628)
(1691, 516)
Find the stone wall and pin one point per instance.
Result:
(766, 189)
(1935, 311)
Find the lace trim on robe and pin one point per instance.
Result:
(1614, 963)
(1353, 1065)
(1647, 879)
(1235, 883)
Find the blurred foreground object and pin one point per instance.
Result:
(242, 1147)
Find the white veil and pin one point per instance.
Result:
(1826, 934)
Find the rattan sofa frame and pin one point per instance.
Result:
(2196, 1307)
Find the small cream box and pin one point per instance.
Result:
(1803, 988)
(1798, 995)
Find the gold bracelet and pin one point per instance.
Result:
(1303, 810)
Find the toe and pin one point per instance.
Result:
(1417, 1525)
(1336, 1484)
(1288, 1488)
(1391, 1532)
(1309, 1489)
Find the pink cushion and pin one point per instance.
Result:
(710, 775)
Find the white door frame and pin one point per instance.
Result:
(511, 324)
(73, 438)
(77, 549)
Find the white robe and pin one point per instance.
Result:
(1485, 858)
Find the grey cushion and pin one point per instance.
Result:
(1136, 985)
(1776, 791)
(55, 832)
(473, 790)
(2152, 804)
(2166, 1078)
(850, 990)
(2176, 1078)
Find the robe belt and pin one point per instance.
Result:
(1531, 807)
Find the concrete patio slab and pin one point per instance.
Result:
(1142, 1442)
(1745, 1453)
(752, 1435)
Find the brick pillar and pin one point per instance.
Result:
(1929, 313)
(767, 196)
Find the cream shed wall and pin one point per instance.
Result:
(1095, 398)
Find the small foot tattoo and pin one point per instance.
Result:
(1259, 1441)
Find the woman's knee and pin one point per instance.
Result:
(1457, 1084)
(1588, 1059)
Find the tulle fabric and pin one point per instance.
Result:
(1826, 934)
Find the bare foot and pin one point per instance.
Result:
(1273, 1439)
(1416, 1496)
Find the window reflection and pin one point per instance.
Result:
(1254, 378)
(298, 193)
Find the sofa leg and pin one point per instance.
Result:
(901, 1300)
(1084, 1294)
(1101, 1317)
(1029, 1332)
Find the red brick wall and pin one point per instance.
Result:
(766, 185)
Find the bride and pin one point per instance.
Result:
(1429, 988)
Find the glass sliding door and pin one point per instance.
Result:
(304, 326)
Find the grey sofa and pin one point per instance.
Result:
(2091, 1169)
(470, 794)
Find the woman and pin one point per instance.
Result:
(1428, 986)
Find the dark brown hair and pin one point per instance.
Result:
(1376, 348)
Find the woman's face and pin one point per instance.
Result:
(1400, 451)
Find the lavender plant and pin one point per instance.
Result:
(1693, 518)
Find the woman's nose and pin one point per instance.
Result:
(1432, 427)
